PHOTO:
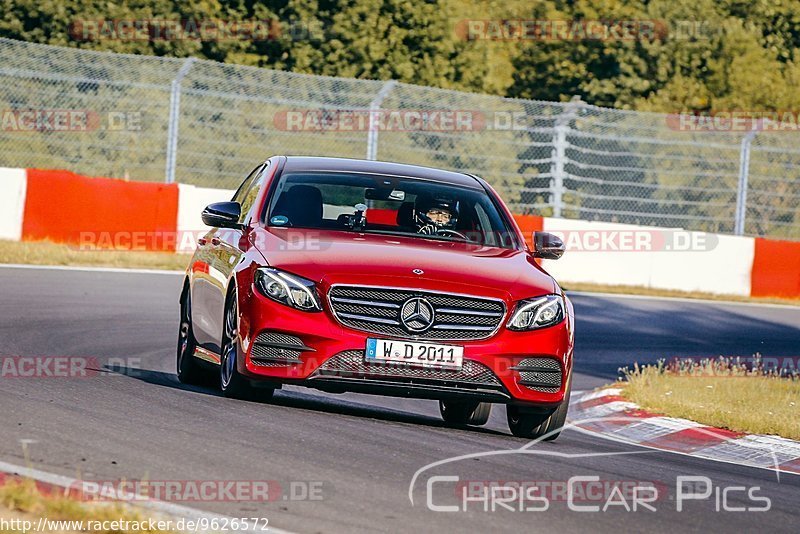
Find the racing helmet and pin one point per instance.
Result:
(433, 213)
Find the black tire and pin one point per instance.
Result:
(188, 368)
(465, 413)
(536, 425)
(231, 382)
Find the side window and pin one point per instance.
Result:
(485, 226)
(248, 191)
(246, 184)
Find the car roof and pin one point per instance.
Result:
(311, 163)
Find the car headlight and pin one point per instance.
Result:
(537, 313)
(288, 289)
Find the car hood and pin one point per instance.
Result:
(336, 257)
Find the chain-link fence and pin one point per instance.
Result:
(206, 123)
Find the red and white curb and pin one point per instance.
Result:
(605, 412)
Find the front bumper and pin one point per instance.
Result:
(288, 346)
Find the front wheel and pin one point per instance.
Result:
(465, 413)
(546, 426)
(231, 382)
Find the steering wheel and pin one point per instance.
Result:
(446, 232)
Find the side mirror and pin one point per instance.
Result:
(222, 215)
(547, 246)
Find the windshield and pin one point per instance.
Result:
(388, 205)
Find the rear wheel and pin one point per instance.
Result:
(189, 370)
(232, 383)
(536, 425)
(465, 412)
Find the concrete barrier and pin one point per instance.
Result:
(104, 213)
(64, 207)
(191, 201)
(13, 184)
(776, 269)
(651, 257)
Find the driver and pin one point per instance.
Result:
(433, 215)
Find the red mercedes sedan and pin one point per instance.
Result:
(381, 278)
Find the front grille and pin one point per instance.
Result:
(351, 364)
(540, 374)
(273, 349)
(378, 310)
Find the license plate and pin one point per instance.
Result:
(417, 354)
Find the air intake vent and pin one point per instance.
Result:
(540, 374)
(271, 349)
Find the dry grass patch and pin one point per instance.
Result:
(745, 402)
(46, 253)
(23, 500)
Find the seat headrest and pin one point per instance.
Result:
(302, 205)
(405, 214)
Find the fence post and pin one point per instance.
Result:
(559, 154)
(374, 107)
(741, 189)
(174, 116)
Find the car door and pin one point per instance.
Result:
(216, 256)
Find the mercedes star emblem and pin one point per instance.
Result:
(416, 314)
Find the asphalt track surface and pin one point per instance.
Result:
(140, 423)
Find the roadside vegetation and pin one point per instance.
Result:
(22, 500)
(45, 253)
(753, 395)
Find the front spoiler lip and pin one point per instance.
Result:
(396, 388)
